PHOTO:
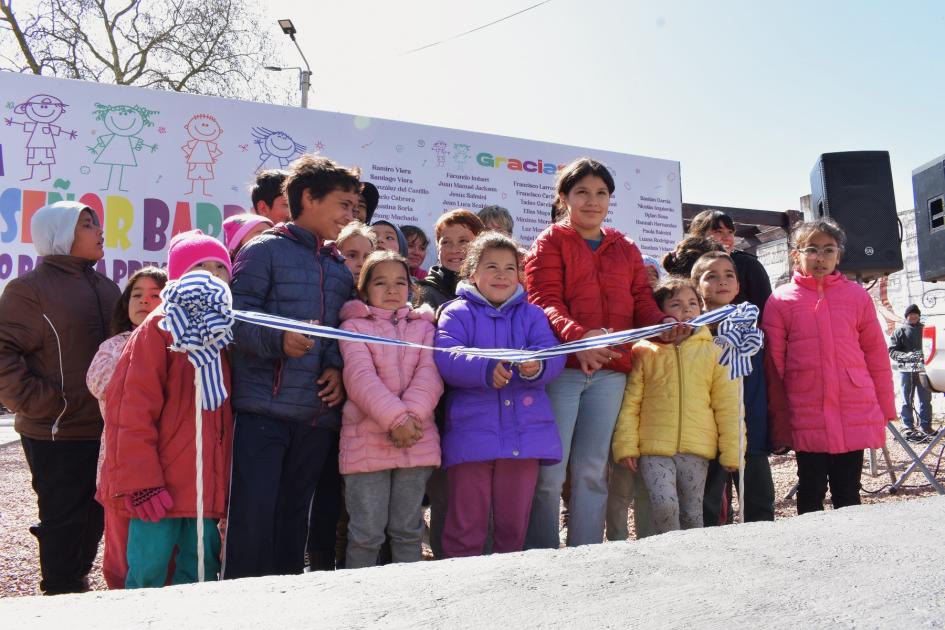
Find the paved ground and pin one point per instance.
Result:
(847, 568)
(7, 434)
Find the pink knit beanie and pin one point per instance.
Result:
(237, 227)
(190, 248)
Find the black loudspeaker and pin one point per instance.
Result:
(855, 189)
(928, 188)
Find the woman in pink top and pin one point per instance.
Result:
(829, 380)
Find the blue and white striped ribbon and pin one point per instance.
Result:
(740, 339)
(502, 354)
(200, 318)
(198, 315)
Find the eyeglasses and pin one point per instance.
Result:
(827, 252)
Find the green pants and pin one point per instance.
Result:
(150, 546)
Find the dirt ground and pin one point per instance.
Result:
(19, 561)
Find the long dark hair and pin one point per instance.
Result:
(120, 321)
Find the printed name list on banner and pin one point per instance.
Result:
(153, 163)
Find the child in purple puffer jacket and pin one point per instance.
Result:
(499, 423)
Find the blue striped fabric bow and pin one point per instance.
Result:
(740, 339)
(197, 314)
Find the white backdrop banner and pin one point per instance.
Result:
(154, 163)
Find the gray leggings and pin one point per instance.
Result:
(386, 500)
(676, 485)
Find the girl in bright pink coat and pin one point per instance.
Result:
(830, 383)
(389, 441)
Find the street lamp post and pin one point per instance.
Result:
(305, 74)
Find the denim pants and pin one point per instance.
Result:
(276, 467)
(586, 409)
(385, 500)
(910, 386)
(151, 545)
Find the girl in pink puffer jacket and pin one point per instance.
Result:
(389, 441)
(829, 380)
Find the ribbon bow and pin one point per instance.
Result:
(197, 314)
(740, 339)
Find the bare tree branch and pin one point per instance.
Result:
(206, 46)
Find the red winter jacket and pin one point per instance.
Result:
(149, 434)
(582, 290)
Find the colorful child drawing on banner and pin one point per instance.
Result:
(117, 149)
(440, 153)
(42, 110)
(460, 155)
(201, 150)
(277, 145)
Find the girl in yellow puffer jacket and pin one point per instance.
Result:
(680, 410)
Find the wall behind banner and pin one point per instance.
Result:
(154, 163)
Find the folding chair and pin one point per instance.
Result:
(917, 460)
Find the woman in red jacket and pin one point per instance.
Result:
(589, 279)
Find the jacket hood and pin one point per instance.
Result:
(53, 227)
(356, 309)
(401, 239)
(471, 292)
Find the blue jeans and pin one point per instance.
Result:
(910, 385)
(586, 409)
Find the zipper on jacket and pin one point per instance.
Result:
(680, 388)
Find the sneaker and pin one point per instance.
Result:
(929, 431)
(912, 435)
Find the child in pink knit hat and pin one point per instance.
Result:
(194, 250)
(150, 471)
(241, 228)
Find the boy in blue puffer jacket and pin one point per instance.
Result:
(287, 387)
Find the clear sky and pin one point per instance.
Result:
(745, 94)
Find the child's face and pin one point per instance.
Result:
(88, 239)
(494, 226)
(724, 236)
(587, 203)
(386, 237)
(496, 277)
(683, 305)
(356, 249)
(215, 267)
(416, 252)
(145, 297)
(818, 256)
(278, 212)
(388, 286)
(326, 217)
(718, 284)
(452, 245)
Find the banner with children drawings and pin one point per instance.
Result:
(154, 163)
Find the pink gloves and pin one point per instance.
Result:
(149, 505)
